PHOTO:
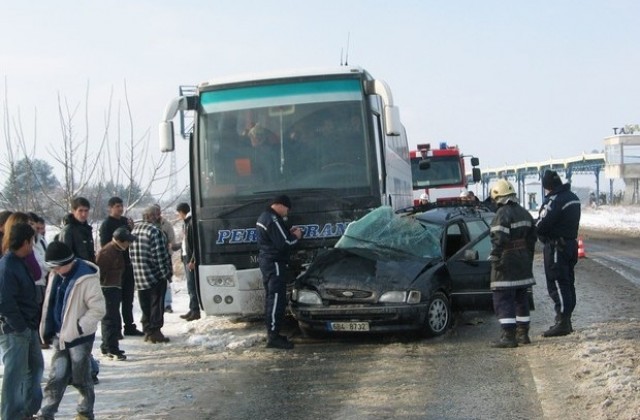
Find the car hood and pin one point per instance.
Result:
(357, 269)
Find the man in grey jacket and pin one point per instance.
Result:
(73, 307)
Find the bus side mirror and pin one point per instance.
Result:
(475, 161)
(476, 174)
(165, 130)
(392, 123)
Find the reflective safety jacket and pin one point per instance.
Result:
(274, 238)
(513, 241)
(559, 216)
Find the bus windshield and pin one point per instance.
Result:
(280, 137)
(444, 171)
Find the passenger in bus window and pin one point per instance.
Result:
(266, 152)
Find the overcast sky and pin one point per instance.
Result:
(508, 81)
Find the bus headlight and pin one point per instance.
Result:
(221, 281)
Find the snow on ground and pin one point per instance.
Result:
(623, 220)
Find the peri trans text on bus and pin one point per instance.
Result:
(331, 140)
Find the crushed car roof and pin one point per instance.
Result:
(387, 233)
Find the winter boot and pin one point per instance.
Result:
(276, 341)
(508, 339)
(157, 337)
(194, 316)
(562, 327)
(522, 334)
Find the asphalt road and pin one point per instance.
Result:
(456, 376)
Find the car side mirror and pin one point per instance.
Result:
(471, 255)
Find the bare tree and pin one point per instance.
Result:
(88, 167)
(133, 162)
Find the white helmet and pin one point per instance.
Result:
(502, 188)
(424, 196)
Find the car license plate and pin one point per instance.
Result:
(349, 326)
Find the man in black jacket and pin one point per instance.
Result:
(115, 220)
(513, 241)
(76, 233)
(274, 242)
(189, 261)
(557, 226)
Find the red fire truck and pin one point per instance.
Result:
(440, 173)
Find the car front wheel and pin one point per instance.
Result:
(438, 316)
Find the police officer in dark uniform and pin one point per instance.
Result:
(274, 242)
(557, 229)
(513, 241)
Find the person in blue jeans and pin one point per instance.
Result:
(19, 340)
(189, 261)
(73, 307)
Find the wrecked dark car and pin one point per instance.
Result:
(398, 273)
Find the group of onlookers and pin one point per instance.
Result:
(54, 296)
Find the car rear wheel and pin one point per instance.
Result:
(438, 316)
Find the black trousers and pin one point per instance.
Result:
(128, 290)
(152, 306)
(512, 307)
(559, 263)
(110, 325)
(275, 287)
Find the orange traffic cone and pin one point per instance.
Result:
(580, 248)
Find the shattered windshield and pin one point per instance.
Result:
(390, 235)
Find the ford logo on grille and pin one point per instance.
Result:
(347, 293)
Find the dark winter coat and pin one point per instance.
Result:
(559, 215)
(79, 237)
(108, 226)
(18, 305)
(187, 241)
(513, 240)
(274, 238)
(110, 260)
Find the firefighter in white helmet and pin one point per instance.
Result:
(513, 240)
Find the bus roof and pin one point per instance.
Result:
(283, 74)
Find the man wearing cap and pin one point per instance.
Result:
(19, 341)
(557, 228)
(274, 242)
(73, 307)
(112, 264)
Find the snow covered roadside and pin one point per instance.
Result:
(126, 389)
(623, 220)
(593, 373)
